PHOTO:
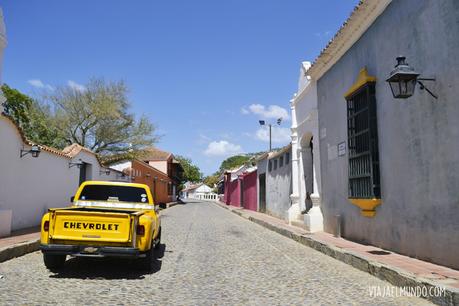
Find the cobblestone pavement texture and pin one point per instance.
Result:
(209, 256)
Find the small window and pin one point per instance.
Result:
(270, 166)
(111, 193)
(281, 161)
(287, 158)
(275, 164)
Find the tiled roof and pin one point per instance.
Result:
(74, 149)
(362, 16)
(155, 154)
(68, 152)
(192, 187)
(30, 143)
(280, 152)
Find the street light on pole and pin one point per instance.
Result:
(263, 123)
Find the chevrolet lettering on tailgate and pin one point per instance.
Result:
(92, 226)
(105, 219)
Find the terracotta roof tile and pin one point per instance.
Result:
(30, 143)
(155, 154)
(362, 14)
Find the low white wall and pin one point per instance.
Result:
(5, 222)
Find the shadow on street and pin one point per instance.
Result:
(108, 268)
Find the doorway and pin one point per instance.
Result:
(83, 172)
(308, 172)
(262, 192)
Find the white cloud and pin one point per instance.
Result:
(279, 134)
(270, 112)
(37, 83)
(75, 86)
(244, 111)
(222, 148)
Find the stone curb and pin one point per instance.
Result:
(170, 204)
(19, 249)
(382, 271)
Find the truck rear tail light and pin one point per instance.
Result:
(140, 230)
(46, 226)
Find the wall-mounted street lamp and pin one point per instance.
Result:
(263, 123)
(78, 164)
(147, 175)
(34, 151)
(122, 175)
(104, 171)
(403, 80)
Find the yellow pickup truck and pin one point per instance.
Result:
(105, 219)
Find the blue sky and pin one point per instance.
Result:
(205, 71)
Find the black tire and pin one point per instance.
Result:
(53, 262)
(146, 263)
(158, 240)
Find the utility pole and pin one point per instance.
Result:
(270, 147)
(263, 123)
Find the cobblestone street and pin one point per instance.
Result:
(210, 257)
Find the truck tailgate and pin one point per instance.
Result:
(91, 226)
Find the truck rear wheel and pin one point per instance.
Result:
(158, 240)
(146, 263)
(54, 261)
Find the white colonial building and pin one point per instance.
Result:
(196, 191)
(306, 187)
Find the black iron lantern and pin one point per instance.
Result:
(34, 151)
(105, 171)
(77, 164)
(403, 80)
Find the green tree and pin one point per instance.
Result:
(98, 118)
(17, 105)
(211, 180)
(191, 172)
(234, 161)
(32, 117)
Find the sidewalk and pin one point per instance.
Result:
(19, 243)
(399, 270)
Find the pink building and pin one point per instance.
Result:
(248, 180)
(241, 188)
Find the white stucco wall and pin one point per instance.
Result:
(29, 186)
(279, 187)
(306, 181)
(203, 189)
(418, 137)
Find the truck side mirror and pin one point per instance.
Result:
(72, 198)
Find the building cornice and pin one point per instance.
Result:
(297, 98)
(363, 16)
